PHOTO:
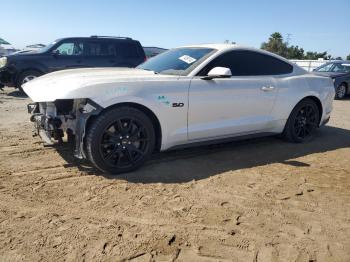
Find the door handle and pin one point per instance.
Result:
(267, 88)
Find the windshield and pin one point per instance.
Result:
(180, 61)
(335, 68)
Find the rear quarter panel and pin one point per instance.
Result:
(293, 89)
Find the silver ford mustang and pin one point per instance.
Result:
(194, 94)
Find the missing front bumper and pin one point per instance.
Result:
(48, 128)
(51, 129)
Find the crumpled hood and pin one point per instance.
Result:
(75, 83)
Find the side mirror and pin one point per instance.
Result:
(55, 52)
(218, 72)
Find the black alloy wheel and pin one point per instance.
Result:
(305, 122)
(302, 122)
(120, 140)
(124, 143)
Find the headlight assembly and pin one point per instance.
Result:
(3, 61)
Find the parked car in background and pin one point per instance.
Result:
(153, 51)
(30, 48)
(34, 47)
(189, 95)
(67, 53)
(339, 71)
(6, 48)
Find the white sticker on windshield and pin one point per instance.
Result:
(187, 59)
(345, 64)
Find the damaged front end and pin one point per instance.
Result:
(63, 120)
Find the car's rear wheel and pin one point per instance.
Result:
(302, 122)
(120, 140)
(340, 91)
(27, 76)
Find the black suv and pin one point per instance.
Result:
(74, 52)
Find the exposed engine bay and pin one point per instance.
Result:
(63, 120)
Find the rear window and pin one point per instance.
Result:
(124, 49)
(129, 49)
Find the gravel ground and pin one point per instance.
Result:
(257, 200)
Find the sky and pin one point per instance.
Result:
(319, 25)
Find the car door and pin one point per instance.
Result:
(68, 54)
(238, 105)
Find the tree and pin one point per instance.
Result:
(276, 45)
(315, 56)
(294, 52)
(348, 57)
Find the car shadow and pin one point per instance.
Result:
(17, 93)
(202, 162)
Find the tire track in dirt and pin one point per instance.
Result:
(39, 170)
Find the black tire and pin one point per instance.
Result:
(302, 122)
(340, 91)
(22, 78)
(120, 140)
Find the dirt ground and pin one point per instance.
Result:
(258, 200)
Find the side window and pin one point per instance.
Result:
(70, 48)
(249, 63)
(127, 50)
(92, 48)
(111, 49)
(100, 48)
(341, 68)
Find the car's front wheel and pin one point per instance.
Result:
(340, 91)
(302, 122)
(120, 140)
